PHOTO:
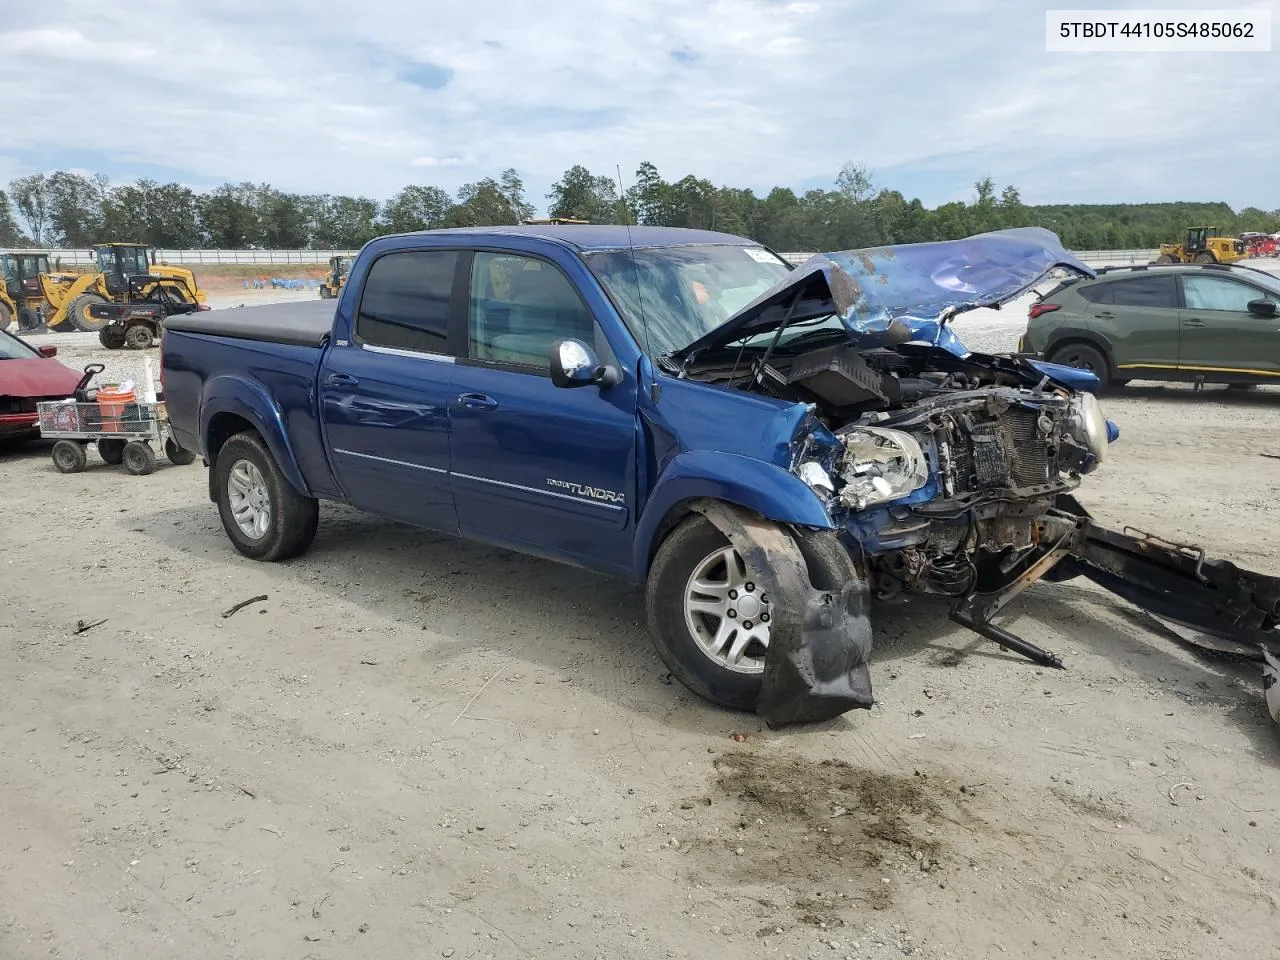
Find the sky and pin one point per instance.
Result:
(364, 98)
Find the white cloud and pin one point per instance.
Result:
(324, 96)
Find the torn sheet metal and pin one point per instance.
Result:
(820, 638)
(894, 294)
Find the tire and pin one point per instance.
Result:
(1163, 259)
(324, 292)
(139, 458)
(139, 337)
(290, 524)
(29, 320)
(111, 338)
(178, 455)
(681, 554)
(1083, 356)
(78, 313)
(6, 317)
(69, 456)
(111, 451)
(1205, 257)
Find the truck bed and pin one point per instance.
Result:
(303, 323)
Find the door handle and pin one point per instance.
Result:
(477, 401)
(341, 380)
(1195, 322)
(1105, 315)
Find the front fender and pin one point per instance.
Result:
(248, 400)
(757, 485)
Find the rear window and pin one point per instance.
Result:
(1154, 291)
(1097, 292)
(406, 301)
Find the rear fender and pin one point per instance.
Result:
(248, 400)
(760, 487)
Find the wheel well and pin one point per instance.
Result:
(673, 518)
(222, 428)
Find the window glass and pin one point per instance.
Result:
(520, 307)
(10, 267)
(1143, 292)
(106, 260)
(1215, 293)
(406, 301)
(1097, 292)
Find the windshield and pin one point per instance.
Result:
(11, 348)
(671, 296)
(10, 267)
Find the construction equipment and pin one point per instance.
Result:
(124, 272)
(1203, 245)
(339, 268)
(138, 323)
(20, 296)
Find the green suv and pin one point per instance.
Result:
(1209, 323)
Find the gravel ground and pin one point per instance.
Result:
(416, 746)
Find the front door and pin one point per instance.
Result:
(1220, 334)
(536, 467)
(384, 397)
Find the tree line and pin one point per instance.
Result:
(72, 210)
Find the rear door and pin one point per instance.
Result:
(1220, 334)
(384, 397)
(537, 467)
(1139, 315)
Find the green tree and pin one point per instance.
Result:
(160, 215)
(75, 208)
(343, 223)
(490, 202)
(10, 235)
(649, 196)
(417, 208)
(581, 195)
(31, 197)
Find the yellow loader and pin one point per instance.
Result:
(124, 274)
(20, 296)
(331, 285)
(1203, 245)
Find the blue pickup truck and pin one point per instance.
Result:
(766, 448)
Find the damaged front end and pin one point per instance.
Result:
(945, 472)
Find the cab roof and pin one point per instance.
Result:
(592, 237)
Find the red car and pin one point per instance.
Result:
(28, 375)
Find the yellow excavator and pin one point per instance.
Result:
(339, 268)
(124, 274)
(1203, 245)
(20, 296)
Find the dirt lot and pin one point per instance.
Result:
(417, 747)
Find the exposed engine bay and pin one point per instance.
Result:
(934, 463)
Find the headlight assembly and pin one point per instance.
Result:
(1091, 425)
(881, 465)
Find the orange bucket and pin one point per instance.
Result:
(111, 406)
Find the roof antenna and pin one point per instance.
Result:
(635, 273)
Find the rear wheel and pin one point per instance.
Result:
(176, 454)
(1165, 258)
(264, 516)
(6, 317)
(139, 337)
(69, 456)
(139, 458)
(111, 451)
(78, 313)
(1085, 357)
(1206, 257)
(29, 320)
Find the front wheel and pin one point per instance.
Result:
(111, 337)
(79, 316)
(69, 456)
(709, 615)
(139, 337)
(139, 458)
(264, 516)
(180, 456)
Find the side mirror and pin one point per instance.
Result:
(1262, 307)
(48, 350)
(574, 364)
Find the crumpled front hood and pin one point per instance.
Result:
(897, 293)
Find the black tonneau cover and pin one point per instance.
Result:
(303, 323)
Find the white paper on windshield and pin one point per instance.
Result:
(760, 255)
